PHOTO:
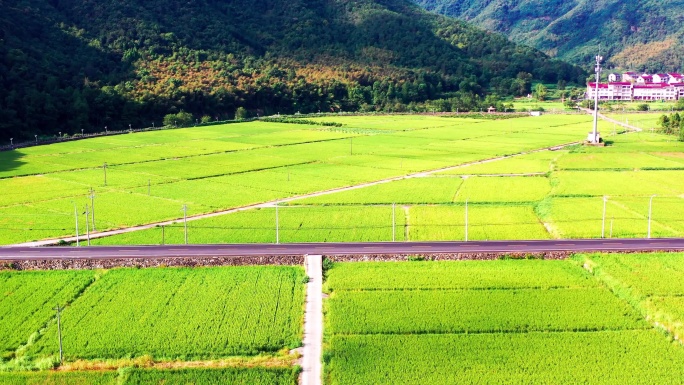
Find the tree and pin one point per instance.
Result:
(241, 113)
(540, 92)
(181, 119)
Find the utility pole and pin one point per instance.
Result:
(603, 221)
(92, 207)
(163, 240)
(185, 221)
(394, 223)
(277, 225)
(87, 225)
(104, 168)
(595, 138)
(650, 206)
(59, 332)
(611, 228)
(466, 220)
(76, 217)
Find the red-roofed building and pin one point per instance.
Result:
(629, 76)
(679, 87)
(675, 78)
(610, 91)
(661, 78)
(654, 91)
(644, 79)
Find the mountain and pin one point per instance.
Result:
(68, 65)
(642, 35)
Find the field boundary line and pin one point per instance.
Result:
(274, 203)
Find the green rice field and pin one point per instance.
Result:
(432, 167)
(500, 322)
(651, 282)
(161, 313)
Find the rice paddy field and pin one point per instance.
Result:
(500, 322)
(434, 169)
(157, 315)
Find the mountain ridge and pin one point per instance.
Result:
(71, 65)
(643, 35)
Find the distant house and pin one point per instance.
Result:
(661, 78)
(675, 78)
(644, 79)
(629, 76)
(614, 77)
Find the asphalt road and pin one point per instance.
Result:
(108, 252)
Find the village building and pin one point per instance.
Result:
(654, 91)
(643, 79)
(632, 86)
(629, 76)
(661, 78)
(675, 78)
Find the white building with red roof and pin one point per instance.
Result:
(644, 79)
(610, 91)
(675, 78)
(662, 86)
(629, 76)
(661, 78)
(654, 91)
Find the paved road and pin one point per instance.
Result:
(105, 252)
(312, 367)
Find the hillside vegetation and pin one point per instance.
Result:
(641, 34)
(70, 65)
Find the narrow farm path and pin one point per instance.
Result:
(611, 120)
(270, 204)
(312, 350)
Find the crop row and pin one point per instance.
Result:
(136, 376)
(503, 274)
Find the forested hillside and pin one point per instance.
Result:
(641, 35)
(67, 65)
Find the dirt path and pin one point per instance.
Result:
(312, 348)
(611, 120)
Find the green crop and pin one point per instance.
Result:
(137, 376)
(59, 378)
(622, 357)
(182, 313)
(472, 311)
(27, 300)
(457, 275)
(201, 376)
